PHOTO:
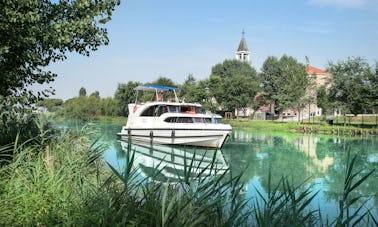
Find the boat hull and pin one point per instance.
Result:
(213, 138)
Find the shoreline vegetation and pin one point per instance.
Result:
(321, 128)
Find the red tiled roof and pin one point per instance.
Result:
(313, 70)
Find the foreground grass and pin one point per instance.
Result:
(60, 180)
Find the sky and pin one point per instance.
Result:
(174, 38)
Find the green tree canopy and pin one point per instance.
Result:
(82, 92)
(322, 99)
(230, 68)
(96, 94)
(82, 108)
(284, 82)
(353, 85)
(234, 84)
(188, 85)
(164, 81)
(50, 104)
(124, 95)
(34, 33)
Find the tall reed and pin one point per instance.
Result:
(352, 209)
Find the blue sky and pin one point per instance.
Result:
(174, 38)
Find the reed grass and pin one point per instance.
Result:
(352, 209)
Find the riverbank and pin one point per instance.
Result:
(295, 127)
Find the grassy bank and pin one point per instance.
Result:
(322, 128)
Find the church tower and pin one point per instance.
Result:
(242, 54)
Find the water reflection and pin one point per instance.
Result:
(322, 159)
(173, 163)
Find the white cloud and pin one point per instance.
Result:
(340, 3)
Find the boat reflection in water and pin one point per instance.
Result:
(172, 164)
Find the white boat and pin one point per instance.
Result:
(172, 121)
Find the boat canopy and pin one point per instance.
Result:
(150, 87)
(157, 89)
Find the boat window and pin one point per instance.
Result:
(149, 112)
(187, 120)
(160, 110)
(197, 120)
(173, 109)
(198, 110)
(207, 120)
(179, 120)
(188, 109)
(171, 119)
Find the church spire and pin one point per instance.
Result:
(242, 54)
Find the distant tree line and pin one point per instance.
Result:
(232, 85)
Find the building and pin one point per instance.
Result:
(242, 54)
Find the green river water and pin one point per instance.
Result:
(322, 159)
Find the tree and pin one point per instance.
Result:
(270, 76)
(164, 81)
(82, 92)
(351, 85)
(124, 95)
(82, 108)
(51, 104)
(109, 107)
(96, 94)
(234, 85)
(322, 99)
(188, 85)
(230, 68)
(34, 33)
(373, 88)
(285, 83)
(238, 93)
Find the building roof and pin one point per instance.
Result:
(313, 70)
(243, 44)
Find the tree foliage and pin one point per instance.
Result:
(353, 85)
(82, 108)
(164, 81)
(34, 33)
(234, 84)
(322, 99)
(50, 104)
(188, 86)
(82, 92)
(284, 82)
(124, 95)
